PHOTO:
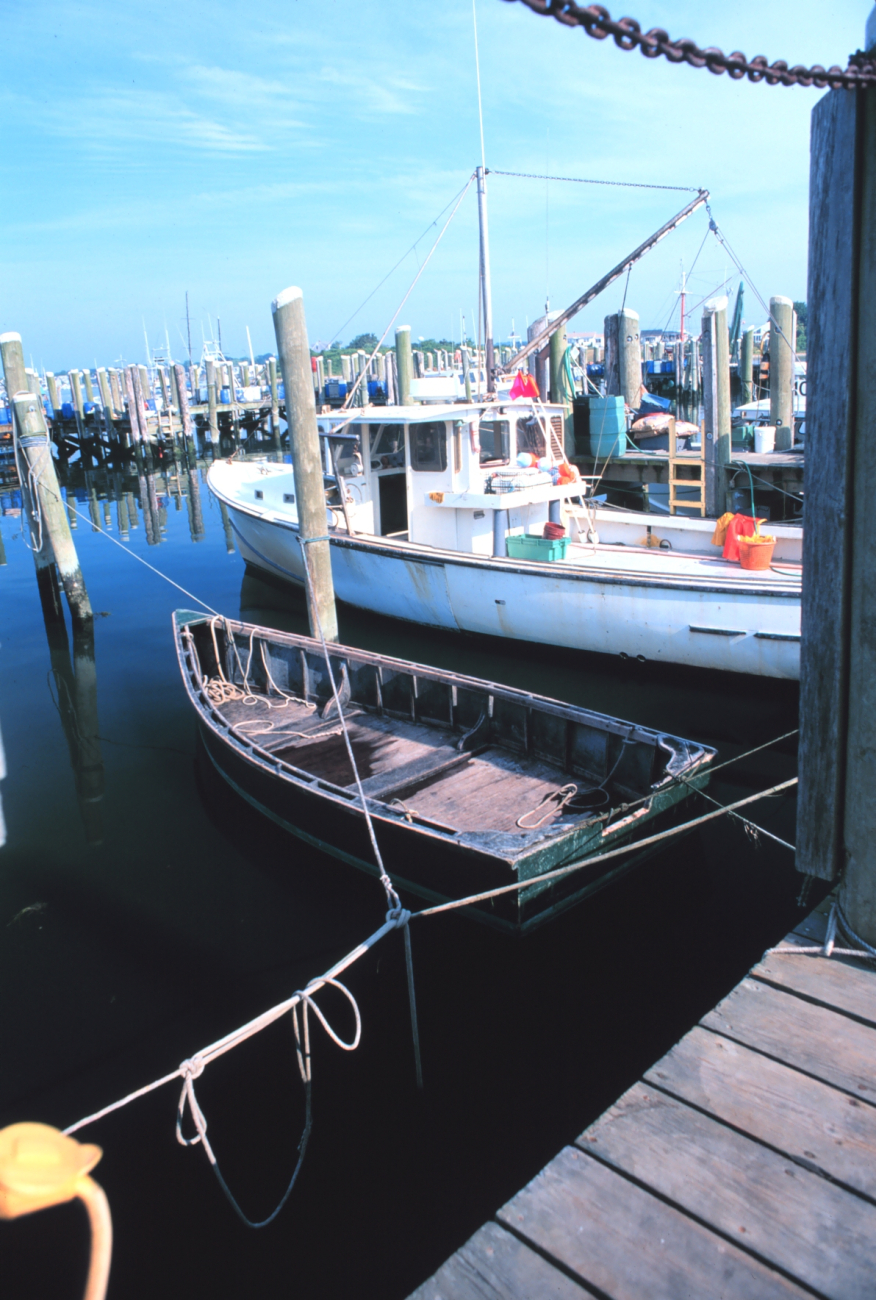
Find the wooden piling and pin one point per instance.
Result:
(118, 404)
(623, 356)
(89, 388)
(185, 414)
(291, 331)
(106, 401)
(836, 811)
(32, 437)
(716, 402)
(782, 357)
(212, 401)
(54, 394)
(404, 364)
(746, 366)
(78, 406)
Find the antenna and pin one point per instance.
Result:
(474, 19)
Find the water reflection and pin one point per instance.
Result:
(76, 701)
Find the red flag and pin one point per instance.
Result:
(524, 386)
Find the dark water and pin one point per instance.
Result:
(145, 911)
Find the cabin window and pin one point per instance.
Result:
(259, 494)
(429, 446)
(530, 437)
(495, 439)
(387, 446)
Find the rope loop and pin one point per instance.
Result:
(400, 915)
(308, 1003)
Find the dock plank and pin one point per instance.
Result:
(628, 1244)
(831, 981)
(823, 1043)
(811, 1121)
(818, 1232)
(496, 1265)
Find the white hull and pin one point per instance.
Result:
(613, 600)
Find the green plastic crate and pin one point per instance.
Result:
(537, 548)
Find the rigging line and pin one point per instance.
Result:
(412, 249)
(586, 180)
(604, 857)
(350, 395)
(723, 241)
(744, 820)
(474, 19)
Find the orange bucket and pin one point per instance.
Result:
(756, 552)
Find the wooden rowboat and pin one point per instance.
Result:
(471, 785)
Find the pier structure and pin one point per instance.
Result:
(741, 1165)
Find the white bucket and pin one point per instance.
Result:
(764, 438)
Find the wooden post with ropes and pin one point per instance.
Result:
(836, 814)
(291, 331)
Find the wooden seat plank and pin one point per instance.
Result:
(495, 1265)
(821, 1234)
(628, 1244)
(811, 1121)
(423, 767)
(831, 981)
(822, 1042)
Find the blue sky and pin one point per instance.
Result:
(231, 151)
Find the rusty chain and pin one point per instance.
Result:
(598, 23)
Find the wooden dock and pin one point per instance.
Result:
(742, 1164)
(777, 470)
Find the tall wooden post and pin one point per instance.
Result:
(746, 365)
(54, 395)
(106, 400)
(291, 331)
(836, 814)
(716, 403)
(782, 358)
(32, 437)
(213, 400)
(623, 356)
(185, 414)
(43, 557)
(404, 364)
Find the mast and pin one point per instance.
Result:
(486, 291)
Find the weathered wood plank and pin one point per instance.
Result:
(833, 982)
(858, 889)
(495, 1265)
(821, 1234)
(627, 1243)
(833, 254)
(811, 1121)
(823, 1043)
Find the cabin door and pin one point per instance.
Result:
(393, 493)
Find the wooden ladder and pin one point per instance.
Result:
(675, 482)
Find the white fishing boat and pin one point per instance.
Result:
(434, 523)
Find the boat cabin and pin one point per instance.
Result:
(447, 476)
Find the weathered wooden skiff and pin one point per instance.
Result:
(471, 785)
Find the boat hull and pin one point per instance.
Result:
(742, 627)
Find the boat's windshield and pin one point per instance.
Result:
(387, 445)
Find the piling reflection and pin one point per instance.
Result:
(76, 700)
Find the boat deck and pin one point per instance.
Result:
(657, 563)
(487, 790)
(742, 1164)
